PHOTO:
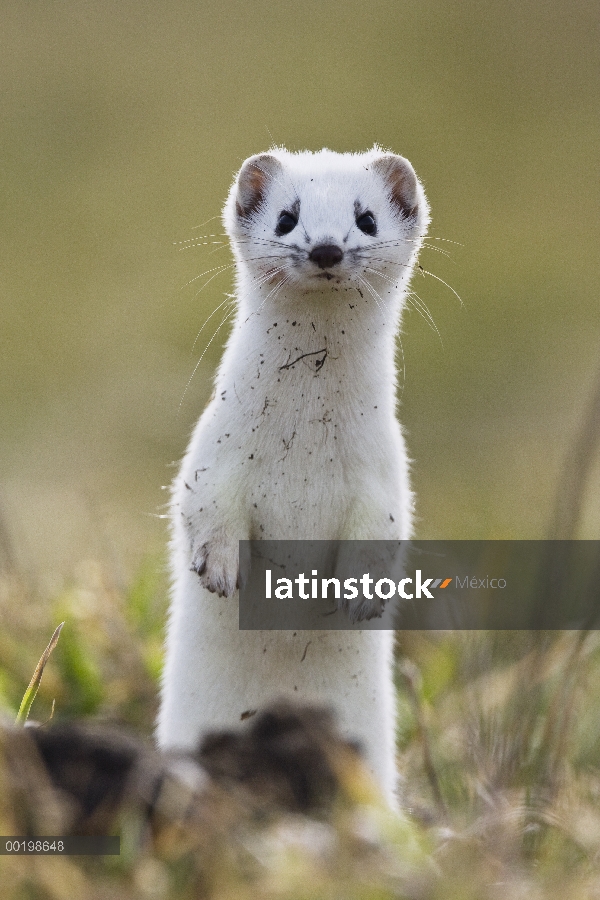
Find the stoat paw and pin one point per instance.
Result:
(216, 562)
(354, 561)
(362, 609)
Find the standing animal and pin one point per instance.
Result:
(300, 441)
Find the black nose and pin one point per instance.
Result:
(326, 255)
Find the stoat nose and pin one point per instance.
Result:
(326, 255)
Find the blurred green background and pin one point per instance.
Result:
(122, 126)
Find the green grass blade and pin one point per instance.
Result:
(34, 684)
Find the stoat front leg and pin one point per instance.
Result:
(215, 559)
(381, 551)
(214, 523)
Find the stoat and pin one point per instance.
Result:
(300, 441)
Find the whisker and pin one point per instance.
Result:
(222, 247)
(212, 218)
(400, 344)
(206, 272)
(227, 299)
(384, 259)
(441, 280)
(201, 237)
(421, 241)
(423, 272)
(441, 250)
(419, 267)
(228, 316)
(285, 280)
(398, 242)
(379, 245)
(202, 241)
(267, 256)
(200, 244)
(273, 292)
(382, 275)
(370, 287)
(219, 269)
(259, 280)
(425, 237)
(423, 311)
(418, 304)
(263, 242)
(385, 304)
(389, 245)
(392, 242)
(376, 296)
(428, 237)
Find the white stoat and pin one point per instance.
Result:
(300, 440)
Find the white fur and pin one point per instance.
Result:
(295, 450)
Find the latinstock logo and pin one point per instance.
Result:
(304, 588)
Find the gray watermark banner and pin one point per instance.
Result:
(53, 845)
(419, 585)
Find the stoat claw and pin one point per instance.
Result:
(361, 609)
(217, 565)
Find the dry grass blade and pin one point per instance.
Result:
(411, 674)
(34, 684)
(576, 470)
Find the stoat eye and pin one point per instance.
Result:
(285, 223)
(367, 223)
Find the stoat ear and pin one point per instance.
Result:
(253, 182)
(401, 181)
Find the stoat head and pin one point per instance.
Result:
(320, 221)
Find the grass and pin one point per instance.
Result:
(499, 746)
(498, 743)
(108, 660)
(32, 689)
